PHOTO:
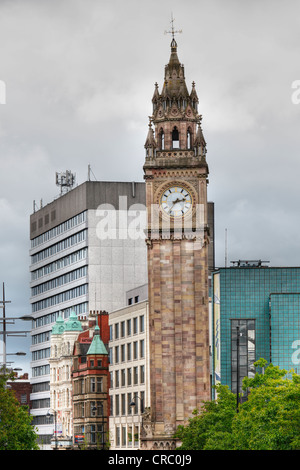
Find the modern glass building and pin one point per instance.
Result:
(255, 314)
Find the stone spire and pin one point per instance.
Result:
(174, 84)
(175, 115)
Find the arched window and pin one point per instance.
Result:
(162, 139)
(189, 139)
(175, 138)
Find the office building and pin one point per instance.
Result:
(84, 256)
(129, 371)
(90, 385)
(260, 306)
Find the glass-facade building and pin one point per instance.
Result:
(255, 314)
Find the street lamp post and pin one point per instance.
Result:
(132, 404)
(49, 413)
(9, 321)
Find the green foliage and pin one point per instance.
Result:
(16, 432)
(268, 420)
(213, 423)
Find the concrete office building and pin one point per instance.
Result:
(87, 250)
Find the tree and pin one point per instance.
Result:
(213, 422)
(268, 420)
(16, 431)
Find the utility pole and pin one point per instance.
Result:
(8, 321)
(4, 302)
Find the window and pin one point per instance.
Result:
(122, 352)
(116, 354)
(117, 405)
(142, 374)
(175, 138)
(142, 348)
(123, 435)
(123, 377)
(135, 326)
(129, 352)
(142, 323)
(242, 352)
(136, 299)
(122, 329)
(135, 350)
(129, 408)
(189, 139)
(118, 436)
(117, 384)
(162, 140)
(129, 376)
(128, 327)
(123, 404)
(135, 375)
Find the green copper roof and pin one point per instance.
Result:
(59, 327)
(73, 324)
(97, 346)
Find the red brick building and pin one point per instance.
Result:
(22, 389)
(91, 381)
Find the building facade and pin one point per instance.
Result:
(260, 306)
(129, 371)
(64, 334)
(91, 401)
(176, 176)
(83, 254)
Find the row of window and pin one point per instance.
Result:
(60, 246)
(41, 403)
(127, 436)
(41, 354)
(127, 352)
(127, 328)
(86, 409)
(88, 385)
(127, 377)
(41, 387)
(79, 309)
(59, 281)
(41, 370)
(58, 298)
(61, 398)
(127, 404)
(59, 264)
(54, 232)
(60, 373)
(94, 434)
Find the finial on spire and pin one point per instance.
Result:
(173, 32)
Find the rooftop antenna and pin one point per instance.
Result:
(173, 32)
(89, 173)
(65, 180)
(226, 248)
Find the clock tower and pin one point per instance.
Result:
(177, 238)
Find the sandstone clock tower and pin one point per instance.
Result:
(175, 173)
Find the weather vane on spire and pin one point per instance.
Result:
(173, 32)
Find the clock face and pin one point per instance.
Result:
(176, 201)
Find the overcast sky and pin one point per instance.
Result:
(79, 78)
